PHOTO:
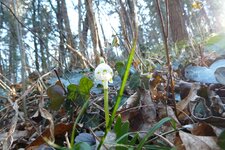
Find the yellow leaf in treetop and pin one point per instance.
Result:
(197, 5)
(115, 41)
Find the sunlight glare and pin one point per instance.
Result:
(220, 17)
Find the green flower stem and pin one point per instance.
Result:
(119, 97)
(84, 107)
(106, 106)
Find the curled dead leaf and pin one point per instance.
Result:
(139, 110)
(203, 129)
(8, 141)
(59, 131)
(45, 114)
(192, 142)
(191, 96)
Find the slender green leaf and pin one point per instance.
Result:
(157, 147)
(152, 130)
(82, 111)
(134, 139)
(120, 129)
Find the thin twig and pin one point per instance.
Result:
(165, 31)
(96, 137)
(6, 79)
(5, 86)
(181, 111)
(67, 140)
(60, 80)
(165, 139)
(80, 55)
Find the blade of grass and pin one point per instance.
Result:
(152, 130)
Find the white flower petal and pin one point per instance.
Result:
(104, 73)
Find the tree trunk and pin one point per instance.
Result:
(176, 21)
(23, 58)
(62, 52)
(124, 25)
(127, 19)
(93, 28)
(35, 28)
(84, 34)
(1, 67)
(43, 58)
(81, 42)
(75, 60)
(13, 42)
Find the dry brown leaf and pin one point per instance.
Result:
(171, 114)
(157, 87)
(17, 134)
(183, 88)
(139, 110)
(203, 129)
(213, 120)
(191, 96)
(193, 142)
(201, 112)
(125, 110)
(7, 143)
(60, 131)
(217, 130)
(178, 143)
(149, 112)
(45, 114)
(131, 101)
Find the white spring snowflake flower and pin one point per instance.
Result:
(104, 73)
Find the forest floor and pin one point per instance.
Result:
(196, 105)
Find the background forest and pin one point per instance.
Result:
(42, 41)
(41, 35)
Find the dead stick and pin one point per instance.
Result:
(165, 31)
(80, 55)
(60, 80)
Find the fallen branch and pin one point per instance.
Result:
(81, 56)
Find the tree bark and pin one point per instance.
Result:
(62, 52)
(1, 67)
(35, 28)
(84, 34)
(93, 28)
(176, 21)
(125, 27)
(23, 58)
(80, 20)
(76, 61)
(12, 57)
